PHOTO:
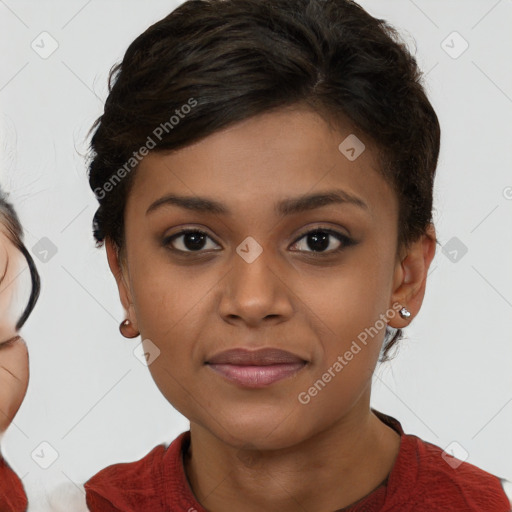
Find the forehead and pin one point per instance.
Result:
(285, 153)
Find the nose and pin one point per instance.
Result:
(255, 293)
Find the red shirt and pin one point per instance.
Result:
(12, 494)
(420, 481)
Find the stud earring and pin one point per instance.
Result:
(405, 313)
(127, 330)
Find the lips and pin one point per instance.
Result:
(256, 368)
(261, 357)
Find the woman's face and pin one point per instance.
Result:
(14, 293)
(257, 280)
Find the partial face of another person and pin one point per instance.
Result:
(15, 286)
(194, 295)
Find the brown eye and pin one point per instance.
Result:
(320, 239)
(188, 241)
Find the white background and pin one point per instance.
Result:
(92, 400)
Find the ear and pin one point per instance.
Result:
(410, 276)
(119, 269)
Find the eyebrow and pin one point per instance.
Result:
(282, 208)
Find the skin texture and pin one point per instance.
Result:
(14, 293)
(261, 449)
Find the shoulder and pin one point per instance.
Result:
(137, 485)
(436, 479)
(12, 493)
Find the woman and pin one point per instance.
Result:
(19, 291)
(264, 171)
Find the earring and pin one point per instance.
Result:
(127, 330)
(404, 313)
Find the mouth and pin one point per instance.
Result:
(257, 368)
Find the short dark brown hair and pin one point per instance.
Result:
(234, 59)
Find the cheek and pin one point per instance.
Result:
(353, 296)
(171, 313)
(349, 316)
(173, 306)
(165, 297)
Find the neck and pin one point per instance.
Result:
(330, 470)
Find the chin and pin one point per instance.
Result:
(261, 430)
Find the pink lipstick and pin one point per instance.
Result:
(256, 368)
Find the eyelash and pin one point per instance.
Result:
(343, 239)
